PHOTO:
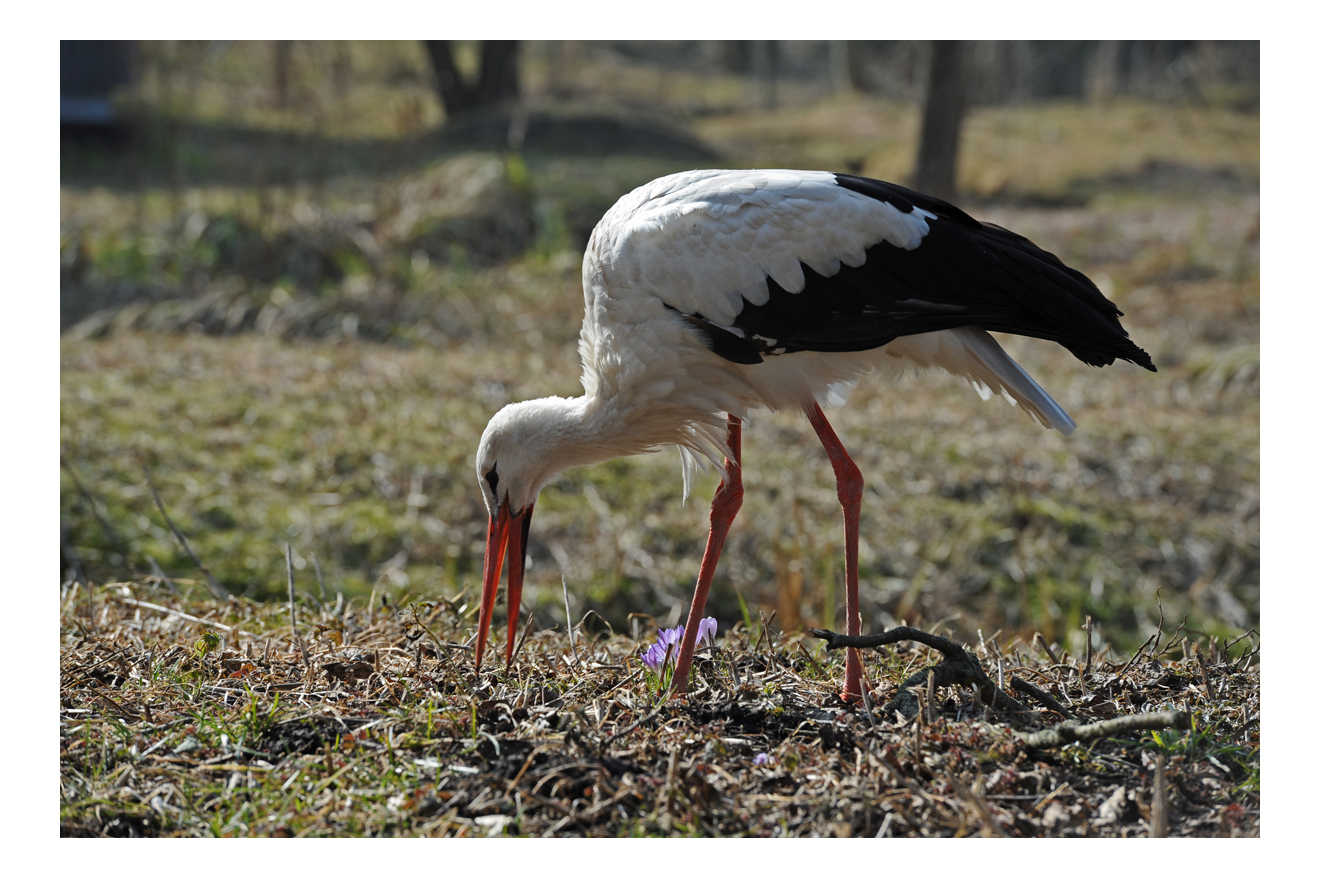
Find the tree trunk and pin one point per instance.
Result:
(941, 121)
(765, 63)
(455, 96)
(735, 56)
(283, 62)
(842, 67)
(498, 82)
(497, 77)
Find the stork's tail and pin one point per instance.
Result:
(992, 370)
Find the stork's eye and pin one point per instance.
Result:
(493, 479)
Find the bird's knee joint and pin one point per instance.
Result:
(728, 499)
(851, 484)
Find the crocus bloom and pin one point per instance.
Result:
(706, 631)
(762, 759)
(670, 635)
(670, 640)
(654, 658)
(665, 648)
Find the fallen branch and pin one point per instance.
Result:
(1067, 733)
(959, 668)
(1017, 684)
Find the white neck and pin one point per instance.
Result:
(541, 438)
(583, 430)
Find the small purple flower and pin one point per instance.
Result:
(706, 629)
(654, 658)
(669, 640)
(670, 635)
(664, 650)
(762, 759)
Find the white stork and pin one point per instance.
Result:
(711, 293)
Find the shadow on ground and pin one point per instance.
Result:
(166, 152)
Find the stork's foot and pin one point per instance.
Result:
(854, 681)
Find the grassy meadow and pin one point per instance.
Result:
(301, 317)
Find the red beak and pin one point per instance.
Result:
(507, 530)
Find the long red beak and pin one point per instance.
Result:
(508, 530)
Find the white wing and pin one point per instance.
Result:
(702, 241)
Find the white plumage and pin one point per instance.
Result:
(711, 293)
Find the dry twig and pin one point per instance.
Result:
(1017, 684)
(568, 616)
(1159, 805)
(132, 602)
(293, 612)
(1040, 642)
(1067, 733)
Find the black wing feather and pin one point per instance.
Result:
(964, 273)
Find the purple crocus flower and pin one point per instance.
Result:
(706, 629)
(762, 759)
(654, 658)
(670, 635)
(665, 648)
(670, 640)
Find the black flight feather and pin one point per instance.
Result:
(963, 273)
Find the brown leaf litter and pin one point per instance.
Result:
(166, 732)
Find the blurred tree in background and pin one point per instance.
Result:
(496, 84)
(941, 121)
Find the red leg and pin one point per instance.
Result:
(727, 502)
(849, 479)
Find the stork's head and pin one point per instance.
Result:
(515, 457)
(523, 448)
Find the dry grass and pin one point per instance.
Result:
(166, 733)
